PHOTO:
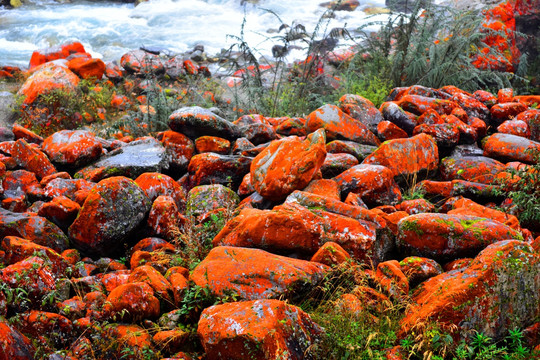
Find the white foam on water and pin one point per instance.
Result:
(108, 29)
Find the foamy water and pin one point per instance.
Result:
(108, 30)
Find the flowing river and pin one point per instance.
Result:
(109, 29)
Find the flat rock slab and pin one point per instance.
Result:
(131, 160)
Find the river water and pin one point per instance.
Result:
(109, 29)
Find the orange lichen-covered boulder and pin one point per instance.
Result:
(137, 61)
(401, 118)
(415, 206)
(339, 126)
(374, 183)
(448, 237)
(482, 296)
(515, 127)
(54, 327)
(331, 254)
(56, 52)
(532, 118)
(446, 135)
(147, 274)
(212, 144)
(418, 269)
(133, 301)
(407, 156)
(164, 218)
(114, 208)
(34, 228)
(258, 330)
(418, 104)
(29, 136)
(254, 274)
(179, 148)
(72, 147)
(207, 198)
(471, 168)
(466, 206)
(156, 184)
(46, 78)
(361, 109)
(324, 187)
(360, 151)
(195, 121)
(335, 164)
(61, 211)
(392, 279)
(502, 112)
(32, 159)
(287, 165)
(390, 131)
(510, 148)
(212, 168)
(87, 68)
(19, 184)
(14, 345)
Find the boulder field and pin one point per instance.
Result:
(202, 240)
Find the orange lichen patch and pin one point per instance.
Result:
(339, 126)
(87, 68)
(29, 136)
(61, 211)
(407, 156)
(529, 100)
(467, 134)
(72, 147)
(179, 283)
(135, 301)
(114, 279)
(471, 106)
(164, 218)
(420, 104)
(19, 184)
(446, 135)
(55, 327)
(374, 183)
(415, 206)
(149, 275)
(515, 127)
(511, 147)
(259, 329)
(292, 126)
(466, 206)
(505, 95)
(331, 254)
(349, 304)
(479, 126)
(389, 131)
(392, 279)
(112, 209)
(506, 111)
(372, 299)
(32, 159)
(335, 164)
(211, 168)
(447, 237)
(155, 184)
(287, 165)
(457, 264)
(418, 269)
(254, 274)
(324, 187)
(212, 144)
(152, 244)
(170, 341)
(54, 53)
(485, 97)
(471, 168)
(33, 275)
(482, 296)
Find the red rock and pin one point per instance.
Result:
(472, 106)
(446, 135)
(259, 329)
(212, 144)
(211, 168)
(149, 275)
(246, 187)
(471, 168)
(466, 206)
(396, 115)
(170, 341)
(254, 274)
(57, 52)
(179, 283)
(458, 264)
(102, 224)
(155, 184)
(72, 309)
(139, 61)
(485, 97)
(389, 131)
(152, 244)
(133, 341)
(325, 187)
(27, 135)
(406, 157)
(33, 276)
(53, 327)
(67, 187)
(361, 109)
(133, 301)
(195, 121)
(331, 254)
(374, 183)
(390, 277)
(113, 71)
(164, 218)
(287, 165)
(32, 159)
(482, 297)
(467, 133)
(14, 345)
(292, 126)
(20, 183)
(335, 164)
(515, 127)
(506, 111)
(339, 126)
(46, 78)
(416, 206)
(61, 211)
(419, 269)
(87, 68)
(505, 95)
(431, 117)
(114, 279)
(33, 228)
(447, 237)
(72, 147)
(59, 175)
(419, 104)
(510, 148)
(532, 119)
(529, 100)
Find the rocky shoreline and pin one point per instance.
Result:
(206, 239)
